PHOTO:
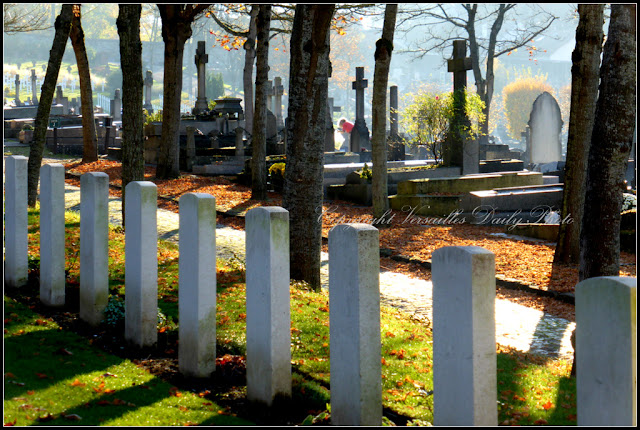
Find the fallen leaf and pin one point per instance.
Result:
(77, 383)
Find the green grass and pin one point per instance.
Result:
(531, 390)
(57, 377)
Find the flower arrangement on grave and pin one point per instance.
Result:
(366, 173)
(276, 175)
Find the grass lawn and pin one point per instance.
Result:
(531, 390)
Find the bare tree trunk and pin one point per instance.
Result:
(128, 24)
(176, 30)
(89, 137)
(308, 87)
(259, 132)
(384, 48)
(247, 74)
(585, 75)
(63, 27)
(610, 147)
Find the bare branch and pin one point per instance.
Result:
(18, 19)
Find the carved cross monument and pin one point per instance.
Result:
(148, 82)
(455, 141)
(395, 147)
(270, 92)
(278, 91)
(18, 102)
(201, 59)
(34, 92)
(360, 134)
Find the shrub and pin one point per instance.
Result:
(214, 85)
(518, 99)
(427, 118)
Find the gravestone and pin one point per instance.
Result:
(606, 348)
(545, 125)
(94, 246)
(395, 146)
(359, 137)
(278, 91)
(267, 301)
(34, 92)
(141, 264)
(52, 251)
(329, 137)
(191, 148)
(148, 82)
(62, 100)
(16, 235)
(453, 152)
(464, 341)
(18, 102)
(354, 325)
(201, 59)
(197, 280)
(116, 106)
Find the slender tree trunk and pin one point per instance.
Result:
(308, 87)
(610, 147)
(89, 137)
(384, 48)
(128, 24)
(176, 30)
(247, 74)
(259, 133)
(62, 29)
(585, 75)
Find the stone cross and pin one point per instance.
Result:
(116, 105)
(270, 92)
(360, 133)
(278, 91)
(201, 59)
(395, 148)
(329, 138)
(458, 65)
(18, 102)
(148, 82)
(33, 87)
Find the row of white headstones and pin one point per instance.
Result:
(464, 349)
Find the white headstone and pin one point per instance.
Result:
(354, 303)
(464, 344)
(268, 312)
(52, 246)
(94, 246)
(197, 292)
(606, 346)
(141, 263)
(16, 235)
